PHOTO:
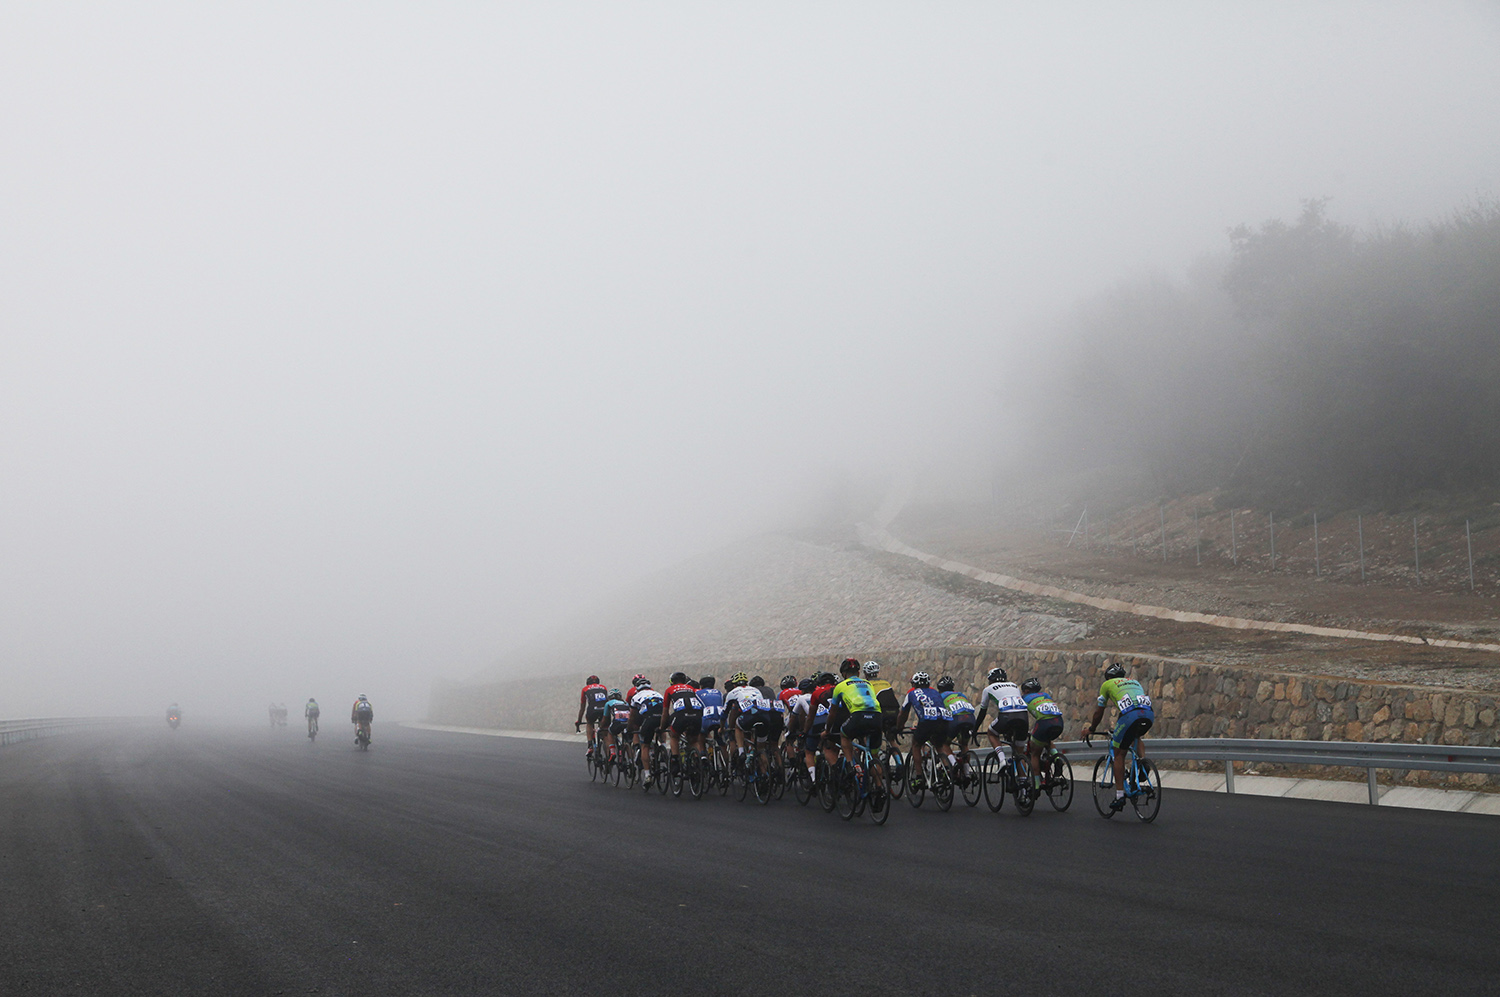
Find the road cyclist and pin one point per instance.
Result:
(591, 707)
(645, 723)
(1136, 716)
(310, 712)
(682, 722)
(931, 731)
(362, 715)
(855, 714)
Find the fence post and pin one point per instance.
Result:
(1361, 522)
(1374, 788)
(1416, 552)
(1317, 558)
(1163, 510)
(1469, 539)
(1198, 543)
(1229, 777)
(1234, 546)
(1273, 541)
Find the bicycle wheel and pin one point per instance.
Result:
(616, 767)
(676, 775)
(778, 784)
(994, 781)
(1026, 793)
(1104, 787)
(880, 795)
(721, 774)
(1147, 798)
(828, 792)
(941, 780)
(1060, 783)
(971, 780)
(765, 777)
(916, 782)
(802, 787)
(589, 762)
(847, 791)
(895, 764)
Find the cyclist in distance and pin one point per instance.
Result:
(645, 719)
(819, 705)
(713, 708)
(682, 715)
(616, 719)
(748, 711)
(591, 705)
(1136, 717)
(1047, 725)
(932, 719)
(310, 712)
(1010, 711)
(961, 727)
(890, 706)
(362, 714)
(855, 714)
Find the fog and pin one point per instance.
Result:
(349, 345)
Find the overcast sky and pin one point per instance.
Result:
(345, 345)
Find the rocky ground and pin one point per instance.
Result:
(779, 596)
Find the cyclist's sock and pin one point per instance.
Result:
(1119, 794)
(812, 772)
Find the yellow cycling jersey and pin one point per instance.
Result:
(855, 695)
(877, 686)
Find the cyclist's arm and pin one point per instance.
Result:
(905, 709)
(582, 701)
(730, 712)
(1094, 723)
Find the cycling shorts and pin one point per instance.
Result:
(1131, 726)
(763, 723)
(930, 732)
(593, 714)
(890, 720)
(865, 725)
(1046, 731)
(1011, 725)
(813, 741)
(687, 722)
(617, 727)
(650, 724)
(960, 727)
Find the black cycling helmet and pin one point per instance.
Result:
(593, 680)
(997, 675)
(849, 666)
(945, 684)
(637, 680)
(827, 678)
(706, 682)
(1031, 685)
(807, 685)
(679, 678)
(758, 682)
(694, 683)
(789, 681)
(1114, 671)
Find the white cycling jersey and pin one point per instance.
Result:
(749, 698)
(1006, 696)
(642, 699)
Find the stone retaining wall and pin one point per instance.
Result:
(1192, 699)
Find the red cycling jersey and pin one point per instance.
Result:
(685, 697)
(596, 692)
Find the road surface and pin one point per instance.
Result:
(248, 861)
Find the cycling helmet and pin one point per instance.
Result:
(638, 680)
(758, 682)
(739, 678)
(807, 685)
(921, 679)
(849, 666)
(362, 695)
(615, 694)
(694, 683)
(644, 683)
(827, 678)
(1031, 685)
(945, 684)
(593, 680)
(679, 677)
(1114, 671)
(789, 681)
(872, 669)
(706, 682)
(997, 675)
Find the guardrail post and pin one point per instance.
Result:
(1374, 788)
(1229, 777)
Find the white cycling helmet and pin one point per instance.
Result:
(872, 669)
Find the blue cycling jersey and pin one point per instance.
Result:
(713, 707)
(927, 704)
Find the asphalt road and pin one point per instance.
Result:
(244, 861)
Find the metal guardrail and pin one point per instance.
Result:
(1369, 756)
(12, 731)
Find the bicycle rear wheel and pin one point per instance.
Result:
(1104, 787)
(677, 775)
(994, 781)
(1147, 799)
(828, 791)
(942, 782)
(1026, 793)
(765, 777)
(848, 790)
(970, 779)
(1060, 783)
(880, 798)
(895, 764)
(916, 782)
